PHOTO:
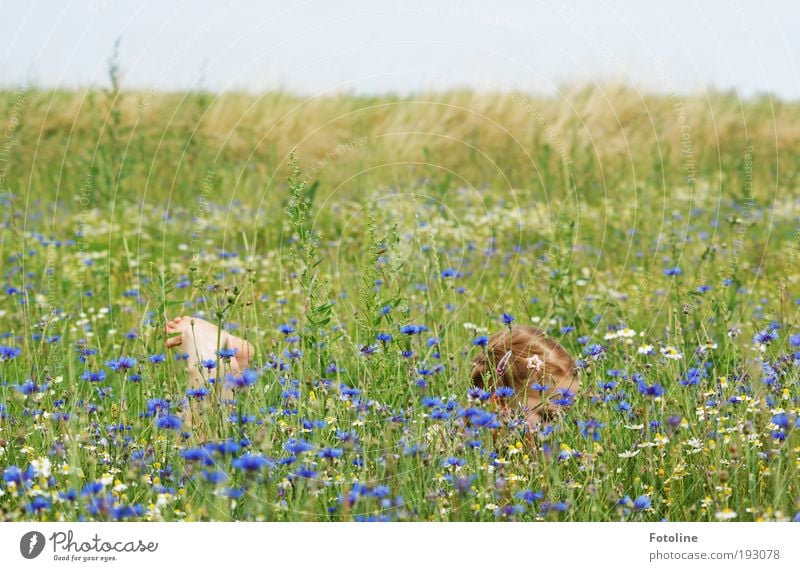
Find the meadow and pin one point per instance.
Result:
(367, 246)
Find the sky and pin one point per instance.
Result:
(376, 47)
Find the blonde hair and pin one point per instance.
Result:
(520, 356)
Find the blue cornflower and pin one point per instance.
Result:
(529, 496)
(451, 273)
(29, 387)
(484, 419)
(158, 358)
(381, 491)
(290, 393)
(591, 429)
(433, 341)
(794, 340)
(94, 376)
(765, 336)
(169, 422)
(357, 489)
(14, 474)
(347, 392)
(242, 419)
(297, 446)
(209, 363)
(779, 434)
(781, 420)
(246, 379)
(197, 455)
(453, 461)
(413, 449)
(413, 329)
(224, 447)
(38, 504)
(595, 351)
(198, 394)
(676, 271)
(215, 477)
(226, 353)
(370, 350)
(121, 364)
(564, 397)
(478, 393)
(124, 512)
(251, 462)
(7, 353)
(84, 352)
(384, 337)
(692, 377)
(91, 488)
(155, 406)
(286, 329)
(507, 318)
(305, 472)
(480, 341)
(607, 385)
(641, 503)
(554, 507)
(330, 453)
(293, 354)
(504, 392)
(654, 390)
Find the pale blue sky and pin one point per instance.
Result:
(375, 46)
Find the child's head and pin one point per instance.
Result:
(521, 356)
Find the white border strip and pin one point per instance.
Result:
(495, 546)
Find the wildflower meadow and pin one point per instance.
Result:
(368, 258)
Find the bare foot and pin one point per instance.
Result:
(199, 339)
(244, 349)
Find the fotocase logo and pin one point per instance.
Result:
(31, 544)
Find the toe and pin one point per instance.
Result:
(174, 341)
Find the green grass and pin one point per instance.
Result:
(112, 226)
